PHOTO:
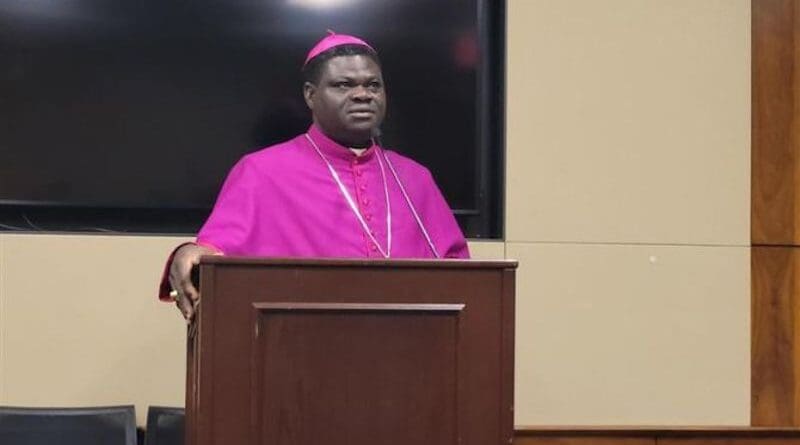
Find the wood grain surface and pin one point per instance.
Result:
(774, 337)
(655, 435)
(775, 135)
(729, 441)
(342, 352)
(571, 440)
(775, 232)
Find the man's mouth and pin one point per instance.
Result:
(361, 112)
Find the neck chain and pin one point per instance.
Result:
(411, 206)
(386, 253)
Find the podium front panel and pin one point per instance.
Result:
(349, 353)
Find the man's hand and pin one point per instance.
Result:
(180, 279)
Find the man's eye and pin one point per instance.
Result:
(342, 85)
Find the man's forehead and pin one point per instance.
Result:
(351, 64)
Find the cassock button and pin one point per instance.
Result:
(373, 248)
(363, 187)
(368, 217)
(366, 201)
(358, 172)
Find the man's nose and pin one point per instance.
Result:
(361, 92)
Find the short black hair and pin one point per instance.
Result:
(312, 71)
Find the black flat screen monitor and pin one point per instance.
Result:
(142, 106)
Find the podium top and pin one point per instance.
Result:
(360, 262)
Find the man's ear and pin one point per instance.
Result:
(308, 94)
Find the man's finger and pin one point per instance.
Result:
(186, 307)
(189, 290)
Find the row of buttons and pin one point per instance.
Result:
(364, 201)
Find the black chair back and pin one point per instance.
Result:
(164, 426)
(112, 425)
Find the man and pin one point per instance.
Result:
(331, 192)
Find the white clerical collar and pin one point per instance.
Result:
(334, 150)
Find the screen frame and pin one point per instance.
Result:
(485, 221)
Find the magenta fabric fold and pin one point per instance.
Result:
(282, 201)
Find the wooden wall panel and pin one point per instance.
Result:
(572, 440)
(774, 123)
(774, 339)
(728, 441)
(775, 232)
(633, 435)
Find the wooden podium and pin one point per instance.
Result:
(352, 352)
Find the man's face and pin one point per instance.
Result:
(349, 100)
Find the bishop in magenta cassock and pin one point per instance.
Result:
(330, 192)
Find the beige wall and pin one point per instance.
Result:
(80, 324)
(628, 208)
